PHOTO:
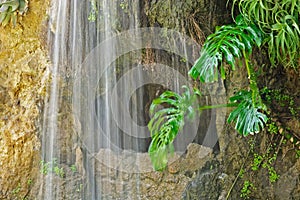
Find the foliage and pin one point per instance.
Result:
(246, 190)
(167, 122)
(261, 22)
(266, 161)
(257, 160)
(51, 166)
(231, 42)
(44, 167)
(281, 99)
(17, 189)
(298, 153)
(124, 5)
(73, 168)
(9, 10)
(227, 43)
(280, 20)
(94, 11)
(59, 171)
(285, 104)
(247, 115)
(29, 181)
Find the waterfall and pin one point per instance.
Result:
(94, 133)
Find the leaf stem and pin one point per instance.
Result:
(218, 106)
(252, 81)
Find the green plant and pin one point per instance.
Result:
(94, 11)
(51, 166)
(59, 171)
(167, 122)
(44, 167)
(280, 20)
(17, 189)
(272, 128)
(277, 96)
(9, 10)
(257, 160)
(228, 43)
(266, 161)
(29, 181)
(261, 22)
(273, 176)
(73, 168)
(298, 153)
(247, 115)
(124, 5)
(246, 190)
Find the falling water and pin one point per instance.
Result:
(95, 118)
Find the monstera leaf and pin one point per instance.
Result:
(227, 43)
(247, 116)
(167, 122)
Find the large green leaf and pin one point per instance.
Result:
(226, 44)
(166, 122)
(248, 115)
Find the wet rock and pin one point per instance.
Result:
(208, 184)
(288, 186)
(114, 180)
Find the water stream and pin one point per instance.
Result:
(96, 116)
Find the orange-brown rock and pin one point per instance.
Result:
(23, 80)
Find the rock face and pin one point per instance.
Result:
(197, 175)
(131, 176)
(23, 80)
(124, 175)
(219, 179)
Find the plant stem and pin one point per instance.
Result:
(252, 81)
(218, 106)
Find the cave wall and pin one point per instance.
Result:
(24, 69)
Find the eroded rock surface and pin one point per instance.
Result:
(23, 80)
(130, 175)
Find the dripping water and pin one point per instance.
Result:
(96, 106)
